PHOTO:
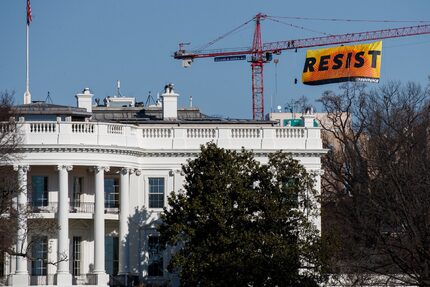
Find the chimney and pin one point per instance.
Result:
(85, 99)
(308, 118)
(170, 103)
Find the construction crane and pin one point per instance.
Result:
(261, 53)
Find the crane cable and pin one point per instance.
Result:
(351, 20)
(276, 19)
(204, 47)
(297, 26)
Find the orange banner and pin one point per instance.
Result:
(344, 63)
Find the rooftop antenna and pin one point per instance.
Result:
(118, 87)
(48, 99)
(149, 100)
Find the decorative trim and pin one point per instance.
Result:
(149, 154)
(24, 168)
(102, 168)
(80, 149)
(99, 168)
(124, 171)
(65, 167)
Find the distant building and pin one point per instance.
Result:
(103, 172)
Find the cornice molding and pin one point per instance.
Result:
(152, 154)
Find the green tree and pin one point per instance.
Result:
(242, 223)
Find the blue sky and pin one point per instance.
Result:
(93, 43)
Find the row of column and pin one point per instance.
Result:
(20, 278)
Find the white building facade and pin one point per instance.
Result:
(105, 185)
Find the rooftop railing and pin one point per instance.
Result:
(175, 137)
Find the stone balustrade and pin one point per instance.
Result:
(178, 137)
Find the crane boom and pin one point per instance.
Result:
(261, 53)
(347, 38)
(308, 42)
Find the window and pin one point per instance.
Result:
(111, 193)
(77, 191)
(39, 254)
(76, 260)
(155, 250)
(6, 194)
(40, 190)
(290, 186)
(156, 192)
(112, 254)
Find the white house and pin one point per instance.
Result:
(104, 173)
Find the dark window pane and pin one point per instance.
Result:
(111, 193)
(77, 191)
(156, 192)
(155, 250)
(39, 254)
(39, 190)
(76, 255)
(155, 268)
(112, 254)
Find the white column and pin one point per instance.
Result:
(317, 220)
(99, 226)
(124, 185)
(63, 274)
(20, 278)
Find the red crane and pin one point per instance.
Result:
(261, 53)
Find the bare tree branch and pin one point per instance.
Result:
(377, 180)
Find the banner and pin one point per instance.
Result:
(344, 63)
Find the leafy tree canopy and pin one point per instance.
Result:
(243, 223)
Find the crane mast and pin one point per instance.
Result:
(261, 53)
(257, 64)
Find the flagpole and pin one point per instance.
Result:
(27, 95)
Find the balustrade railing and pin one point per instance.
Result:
(245, 132)
(50, 280)
(201, 133)
(7, 127)
(52, 207)
(172, 137)
(43, 127)
(42, 280)
(84, 279)
(290, 133)
(83, 128)
(81, 207)
(157, 132)
(115, 129)
(42, 207)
